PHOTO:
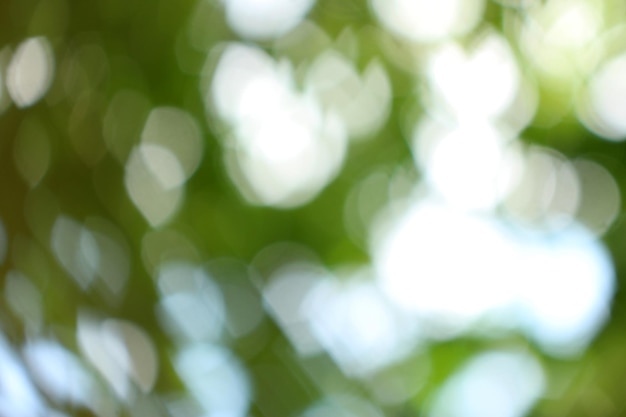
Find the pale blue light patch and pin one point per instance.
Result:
(192, 306)
(18, 396)
(494, 384)
(216, 379)
(58, 372)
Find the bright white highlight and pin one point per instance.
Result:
(59, 373)
(265, 19)
(494, 384)
(471, 165)
(30, 71)
(451, 269)
(481, 83)
(284, 149)
(18, 396)
(464, 156)
(428, 21)
(565, 284)
(444, 264)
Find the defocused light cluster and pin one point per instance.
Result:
(94, 251)
(169, 153)
(285, 148)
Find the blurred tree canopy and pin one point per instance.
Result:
(312, 208)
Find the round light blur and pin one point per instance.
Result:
(215, 378)
(494, 384)
(156, 190)
(265, 19)
(480, 83)
(470, 165)
(30, 71)
(428, 21)
(607, 95)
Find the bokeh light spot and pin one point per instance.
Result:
(25, 300)
(18, 396)
(470, 165)
(30, 71)
(601, 198)
(106, 353)
(357, 326)
(142, 359)
(427, 21)
(121, 352)
(494, 384)
(573, 268)
(547, 192)
(607, 92)
(157, 203)
(557, 37)
(96, 249)
(192, 305)
(362, 102)
(176, 131)
(216, 380)
(265, 19)
(76, 249)
(58, 372)
(285, 297)
(480, 83)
